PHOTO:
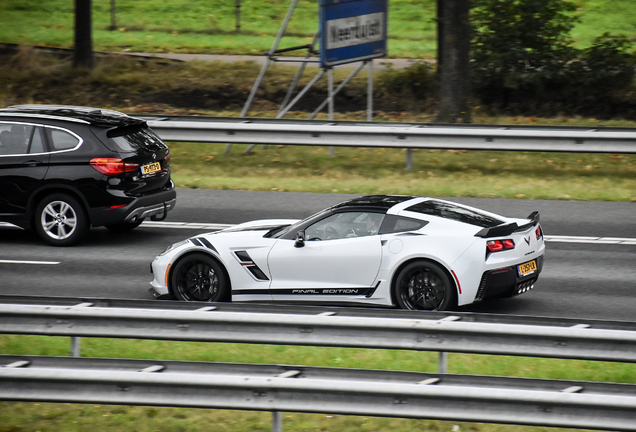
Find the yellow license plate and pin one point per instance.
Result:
(150, 168)
(527, 268)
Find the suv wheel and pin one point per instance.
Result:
(60, 220)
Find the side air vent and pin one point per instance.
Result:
(247, 262)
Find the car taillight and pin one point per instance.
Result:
(499, 245)
(539, 232)
(113, 166)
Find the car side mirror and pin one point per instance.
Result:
(300, 239)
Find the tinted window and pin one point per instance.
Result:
(133, 139)
(451, 211)
(394, 224)
(62, 140)
(37, 142)
(14, 138)
(345, 225)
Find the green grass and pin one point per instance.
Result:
(76, 417)
(203, 26)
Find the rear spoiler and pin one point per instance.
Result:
(507, 229)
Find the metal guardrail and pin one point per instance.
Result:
(320, 390)
(271, 388)
(449, 334)
(397, 135)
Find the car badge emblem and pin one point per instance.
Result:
(527, 239)
(154, 156)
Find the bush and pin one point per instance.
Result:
(416, 83)
(524, 62)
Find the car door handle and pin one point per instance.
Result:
(33, 163)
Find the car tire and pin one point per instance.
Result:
(61, 220)
(199, 277)
(125, 226)
(424, 285)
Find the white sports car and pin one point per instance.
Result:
(383, 250)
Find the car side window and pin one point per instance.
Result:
(345, 225)
(395, 224)
(37, 142)
(62, 140)
(14, 138)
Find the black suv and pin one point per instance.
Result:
(64, 169)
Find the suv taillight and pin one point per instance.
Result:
(113, 166)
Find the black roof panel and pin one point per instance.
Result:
(380, 202)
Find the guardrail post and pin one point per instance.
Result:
(75, 346)
(443, 362)
(409, 158)
(277, 421)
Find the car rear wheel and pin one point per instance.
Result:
(424, 285)
(61, 220)
(198, 277)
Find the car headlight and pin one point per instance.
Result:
(174, 246)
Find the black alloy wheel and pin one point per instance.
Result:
(198, 277)
(424, 285)
(60, 220)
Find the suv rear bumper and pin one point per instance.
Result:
(154, 206)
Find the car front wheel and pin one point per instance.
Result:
(424, 285)
(60, 220)
(198, 277)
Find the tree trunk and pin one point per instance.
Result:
(83, 56)
(454, 52)
(440, 35)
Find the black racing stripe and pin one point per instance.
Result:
(362, 292)
(207, 244)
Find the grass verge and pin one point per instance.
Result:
(485, 174)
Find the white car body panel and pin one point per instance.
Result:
(341, 266)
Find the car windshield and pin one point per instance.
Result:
(278, 232)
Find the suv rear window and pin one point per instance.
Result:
(451, 211)
(133, 138)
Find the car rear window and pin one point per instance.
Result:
(451, 211)
(133, 139)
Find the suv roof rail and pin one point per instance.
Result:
(96, 116)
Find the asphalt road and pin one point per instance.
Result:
(592, 275)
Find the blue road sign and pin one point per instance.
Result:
(352, 30)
